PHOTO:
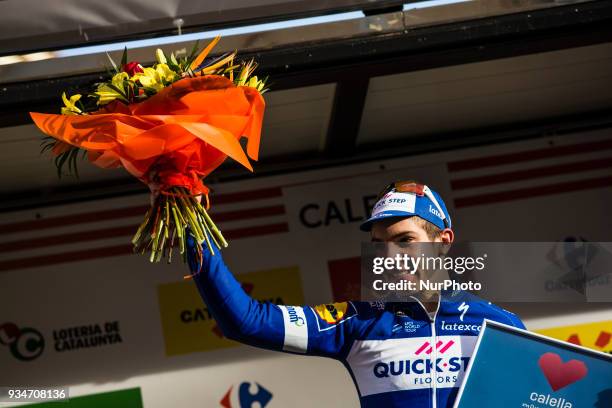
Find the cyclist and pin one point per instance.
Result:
(399, 354)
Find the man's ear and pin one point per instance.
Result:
(446, 238)
(447, 235)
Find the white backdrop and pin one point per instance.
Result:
(297, 222)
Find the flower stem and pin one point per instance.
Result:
(172, 213)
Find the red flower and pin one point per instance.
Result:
(131, 68)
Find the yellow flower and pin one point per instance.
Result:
(245, 78)
(108, 93)
(165, 73)
(118, 80)
(70, 107)
(159, 55)
(149, 79)
(156, 78)
(256, 83)
(245, 72)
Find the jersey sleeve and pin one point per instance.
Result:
(515, 320)
(294, 329)
(504, 316)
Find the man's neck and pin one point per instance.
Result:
(430, 301)
(431, 307)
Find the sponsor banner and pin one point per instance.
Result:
(597, 336)
(26, 343)
(130, 398)
(188, 325)
(516, 368)
(407, 363)
(77, 261)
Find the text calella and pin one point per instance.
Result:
(549, 400)
(314, 215)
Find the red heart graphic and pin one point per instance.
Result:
(560, 374)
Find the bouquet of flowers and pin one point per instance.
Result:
(169, 125)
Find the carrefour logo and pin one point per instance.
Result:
(424, 365)
(246, 395)
(293, 316)
(25, 344)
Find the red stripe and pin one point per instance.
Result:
(66, 220)
(217, 217)
(539, 172)
(81, 236)
(252, 195)
(66, 257)
(423, 346)
(130, 211)
(95, 253)
(129, 230)
(257, 231)
(528, 155)
(447, 346)
(531, 192)
(250, 213)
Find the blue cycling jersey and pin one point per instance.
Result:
(397, 355)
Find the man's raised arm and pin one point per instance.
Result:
(262, 324)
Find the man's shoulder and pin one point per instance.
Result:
(483, 309)
(491, 311)
(501, 315)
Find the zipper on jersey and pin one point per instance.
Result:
(435, 353)
(433, 345)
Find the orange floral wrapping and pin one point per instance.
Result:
(172, 139)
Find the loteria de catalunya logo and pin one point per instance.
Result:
(25, 343)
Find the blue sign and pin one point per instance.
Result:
(514, 368)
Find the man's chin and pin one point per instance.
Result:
(409, 277)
